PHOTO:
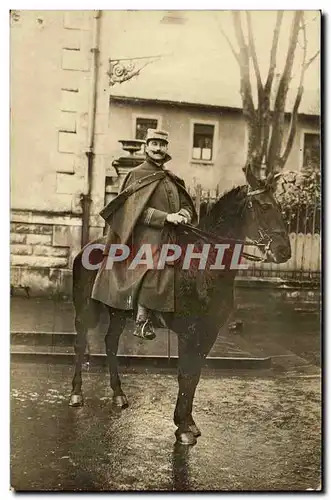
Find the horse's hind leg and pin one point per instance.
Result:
(83, 322)
(115, 329)
(76, 397)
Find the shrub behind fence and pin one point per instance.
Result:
(304, 232)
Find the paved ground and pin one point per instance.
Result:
(261, 430)
(259, 433)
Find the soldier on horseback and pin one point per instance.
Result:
(151, 202)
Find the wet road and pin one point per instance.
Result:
(259, 433)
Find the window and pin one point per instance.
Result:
(142, 124)
(311, 151)
(203, 139)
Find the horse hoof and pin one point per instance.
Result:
(186, 438)
(76, 400)
(120, 401)
(195, 430)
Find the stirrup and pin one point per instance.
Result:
(144, 330)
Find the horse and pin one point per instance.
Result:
(204, 299)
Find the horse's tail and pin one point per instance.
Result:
(83, 278)
(76, 275)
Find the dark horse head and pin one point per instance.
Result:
(263, 218)
(252, 212)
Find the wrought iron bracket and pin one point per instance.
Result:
(121, 70)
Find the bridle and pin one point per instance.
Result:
(265, 239)
(263, 243)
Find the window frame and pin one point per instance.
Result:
(302, 145)
(144, 116)
(197, 121)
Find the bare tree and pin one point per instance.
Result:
(265, 125)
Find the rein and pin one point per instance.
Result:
(211, 237)
(264, 240)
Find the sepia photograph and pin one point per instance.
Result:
(165, 250)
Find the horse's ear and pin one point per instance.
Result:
(253, 181)
(277, 176)
(272, 179)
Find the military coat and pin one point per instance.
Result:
(135, 217)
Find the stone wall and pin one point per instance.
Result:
(42, 251)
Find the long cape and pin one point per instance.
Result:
(123, 212)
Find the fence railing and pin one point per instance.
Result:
(304, 233)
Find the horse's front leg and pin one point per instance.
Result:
(76, 397)
(189, 371)
(115, 329)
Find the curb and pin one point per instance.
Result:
(276, 283)
(40, 338)
(131, 361)
(57, 347)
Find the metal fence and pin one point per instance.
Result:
(304, 227)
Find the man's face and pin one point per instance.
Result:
(156, 149)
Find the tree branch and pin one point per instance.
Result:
(263, 121)
(279, 108)
(300, 90)
(308, 63)
(293, 128)
(273, 54)
(252, 50)
(240, 36)
(268, 86)
(229, 42)
(285, 79)
(246, 88)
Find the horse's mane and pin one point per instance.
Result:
(225, 211)
(224, 219)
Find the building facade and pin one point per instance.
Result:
(66, 122)
(59, 114)
(208, 144)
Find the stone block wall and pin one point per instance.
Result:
(42, 251)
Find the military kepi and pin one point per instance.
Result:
(160, 135)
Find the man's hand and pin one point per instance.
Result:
(176, 218)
